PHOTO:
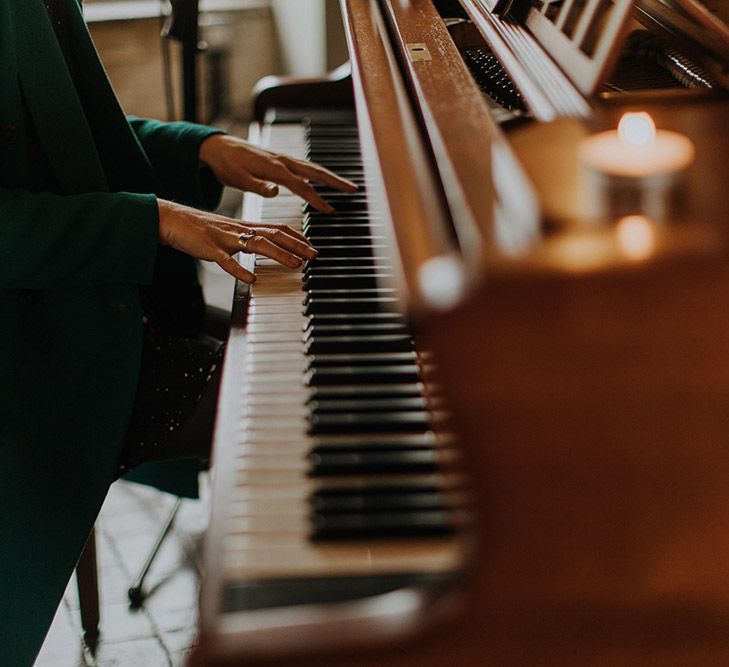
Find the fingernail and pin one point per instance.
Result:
(271, 189)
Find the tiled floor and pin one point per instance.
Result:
(162, 631)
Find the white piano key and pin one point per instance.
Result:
(291, 556)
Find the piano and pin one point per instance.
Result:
(480, 428)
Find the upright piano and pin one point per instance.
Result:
(489, 424)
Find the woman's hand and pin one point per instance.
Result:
(217, 239)
(240, 165)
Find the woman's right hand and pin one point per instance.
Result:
(216, 238)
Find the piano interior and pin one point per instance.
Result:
(489, 421)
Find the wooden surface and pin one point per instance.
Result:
(455, 118)
(403, 186)
(285, 92)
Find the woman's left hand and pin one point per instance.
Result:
(241, 165)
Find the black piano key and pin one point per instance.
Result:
(317, 306)
(324, 330)
(357, 503)
(345, 294)
(349, 251)
(369, 422)
(346, 154)
(358, 178)
(335, 150)
(333, 139)
(331, 143)
(343, 123)
(353, 318)
(342, 241)
(321, 220)
(362, 359)
(343, 205)
(373, 462)
(336, 142)
(337, 228)
(347, 328)
(342, 133)
(338, 375)
(325, 271)
(345, 344)
(344, 391)
(354, 172)
(317, 231)
(339, 262)
(422, 523)
(343, 218)
(376, 441)
(354, 199)
(329, 406)
(343, 281)
(346, 164)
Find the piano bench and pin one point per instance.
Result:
(87, 580)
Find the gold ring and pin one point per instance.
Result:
(243, 240)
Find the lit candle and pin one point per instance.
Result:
(636, 237)
(632, 170)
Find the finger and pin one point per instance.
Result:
(260, 187)
(262, 246)
(315, 172)
(282, 228)
(297, 245)
(257, 227)
(305, 191)
(230, 265)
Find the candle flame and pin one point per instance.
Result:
(636, 237)
(637, 129)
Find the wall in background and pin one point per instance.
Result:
(302, 30)
(247, 39)
(242, 43)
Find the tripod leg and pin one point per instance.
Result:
(136, 592)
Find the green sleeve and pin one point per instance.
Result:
(174, 149)
(49, 240)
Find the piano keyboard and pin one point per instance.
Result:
(342, 488)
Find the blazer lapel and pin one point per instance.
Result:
(53, 103)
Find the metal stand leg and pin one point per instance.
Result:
(88, 592)
(136, 593)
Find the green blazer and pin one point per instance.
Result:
(78, 235)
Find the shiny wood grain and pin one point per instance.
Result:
(455, 118)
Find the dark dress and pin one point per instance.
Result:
(81, 180)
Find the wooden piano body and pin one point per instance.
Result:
(589, 388)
